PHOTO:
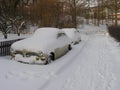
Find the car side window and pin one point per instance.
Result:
(61, 34)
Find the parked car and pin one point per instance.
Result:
(73, 34)
(45, 45)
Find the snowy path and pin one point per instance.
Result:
(90, 70)
(91, 65)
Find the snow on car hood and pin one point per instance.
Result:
(44, 39)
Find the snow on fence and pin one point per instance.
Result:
(5, 47)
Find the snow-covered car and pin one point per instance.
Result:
(45, 45)
(73, 34)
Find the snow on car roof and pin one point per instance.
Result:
(42, 40)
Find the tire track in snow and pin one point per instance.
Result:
(70, 62)
(100, 77)
(104, 76)
(65, 66)
(96, 76)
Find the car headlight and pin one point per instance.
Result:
(41, 54)
(43, 58)
(37, 58)
(27, 55)
(40, 58)
(12, 52)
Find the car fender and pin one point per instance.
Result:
(61, 51)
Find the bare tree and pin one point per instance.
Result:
(114, 7)
(75, 8)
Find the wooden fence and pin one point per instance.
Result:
(5, 47)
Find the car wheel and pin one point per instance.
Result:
(46, 62)
(52, 56)
(69, 47)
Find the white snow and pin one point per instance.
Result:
(69, 32)
(13, 36)
(43, 40)
(73, 34)
(93, 64)
(38, 41)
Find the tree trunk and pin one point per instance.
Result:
(116, 23)
(74, 14)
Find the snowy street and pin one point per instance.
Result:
(93, 64)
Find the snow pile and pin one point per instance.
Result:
(39, 40)
(44, 39)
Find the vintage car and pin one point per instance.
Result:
(44, 45)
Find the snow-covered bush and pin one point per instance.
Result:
(114, 31)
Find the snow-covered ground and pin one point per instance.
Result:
(13, 36)
(93, 64)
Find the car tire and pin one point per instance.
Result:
(52, 56)
(69, 47)
(46, 63)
